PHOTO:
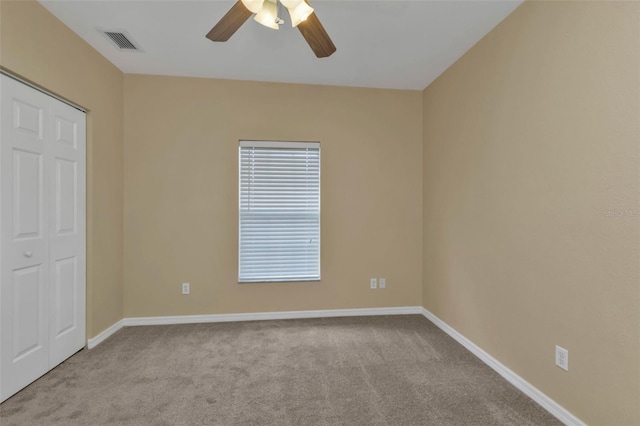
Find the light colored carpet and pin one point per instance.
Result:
(392, 370)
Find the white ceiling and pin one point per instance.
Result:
(386, 44)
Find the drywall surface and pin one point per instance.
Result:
(38, 47)
(181, 193)
(531, 208)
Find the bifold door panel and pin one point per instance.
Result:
(67, 231)
(42, 234)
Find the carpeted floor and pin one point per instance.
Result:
(392, 370)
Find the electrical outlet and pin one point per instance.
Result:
(562, 358)
(185, 288)
(382, 282)
(374, 283)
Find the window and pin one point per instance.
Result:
(279, 220)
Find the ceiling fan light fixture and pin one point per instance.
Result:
(254, 6)
(302, 16)
(268, 15)
(299, 13)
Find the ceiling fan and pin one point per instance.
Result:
(301, 13)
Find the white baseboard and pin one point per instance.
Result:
(105, 334)
(196, 319)
(258, 316)
(525, 387)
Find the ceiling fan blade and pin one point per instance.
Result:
(229, 24)
(316, 36)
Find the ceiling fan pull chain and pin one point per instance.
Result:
(279, 20)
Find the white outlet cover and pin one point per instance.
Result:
(562, 358)
(383, 282)
(374, 283)
(185, 288)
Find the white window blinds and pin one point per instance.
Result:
(279, 219)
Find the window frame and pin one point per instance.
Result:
(244, 143)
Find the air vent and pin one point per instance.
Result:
(121, 39)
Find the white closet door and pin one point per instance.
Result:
(66, 185)
(24, 245)
(42, 234)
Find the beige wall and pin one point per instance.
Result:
(181, 201)
(38, 47)
(511, 161)
(529, 139)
